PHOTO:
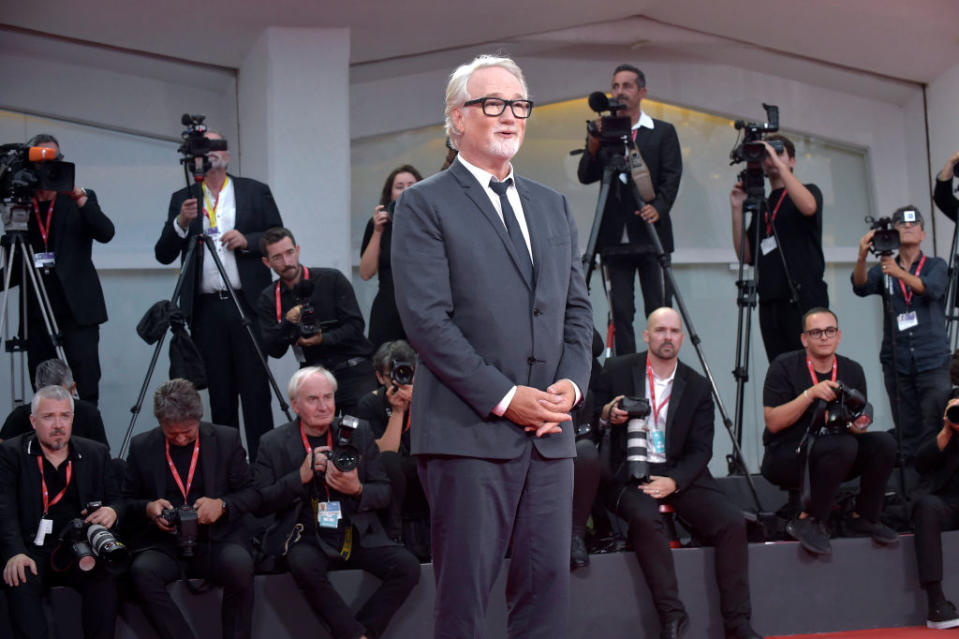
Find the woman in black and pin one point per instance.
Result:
(385, 323)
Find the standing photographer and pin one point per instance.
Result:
(314, 310)
(916, 373)
(47, 479)
(942, 194)
(789, 259)
(624, 240)
(187, 488)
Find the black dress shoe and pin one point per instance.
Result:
(810, 534)
(675, 627)
(745, 631)
(578, 557)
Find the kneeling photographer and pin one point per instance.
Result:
(816, 413)
(915, 349)
(387, 409)
(323, 478)
(57, 505)
(187, 490)
(314, 310)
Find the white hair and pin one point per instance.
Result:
(56, 393)
(300, 376)
(456, 93)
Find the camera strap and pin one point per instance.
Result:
(47, 503)
(211, 208)
(279, 310)
(906, 292)
(44, 230)
(812, 371)
(770, 222)
(192, 472)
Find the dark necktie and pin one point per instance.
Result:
(512, 226)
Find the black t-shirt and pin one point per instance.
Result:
(788, 376)
(384, 267)
(182, 456)
(375, 408)
(55, 293)
(68, 507)
(800, 239)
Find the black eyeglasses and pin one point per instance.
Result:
(818, 333)
(494, 107)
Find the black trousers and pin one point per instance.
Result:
(81, 345)
(832, 460)
(225, 564)
(232, 367)
(397, 569)
(352, 383)
(780, 323)
(933, 514)
(714, 519)
(408, 496)
(98, 593)
(621, 271)
(922, 400)
(586, 473)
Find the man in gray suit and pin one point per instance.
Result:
(490, 291)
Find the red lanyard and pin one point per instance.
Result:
(279, 311)
(409, 419)
(652, 394)
(44, 230)
(812, 371)
(43, 484)
(908, 294)
(173, 470)
(769, 223)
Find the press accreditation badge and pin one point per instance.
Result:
(213, 231)
(44, 260)
(44, 529)
(328, 514)
(907, 320)
(768, 245)
(656, 443)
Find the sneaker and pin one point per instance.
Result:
(943, 616)
(811, 535)
(578, 556)
(880, 532)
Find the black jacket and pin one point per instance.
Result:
(21, 500)
(87, 422)
(937, 467)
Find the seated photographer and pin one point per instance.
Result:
(673, 431)
(805, 407)
(52, 484)
(314, 310)
(387, 411)
(937, 509)
(324, 480)
(916, 375)
(87, 422)
(187, 488)
(942, 193)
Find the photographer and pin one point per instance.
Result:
(679, 442)
(790, 258)
(47, 479)
(916, 375)
(314, 310)
(942, 193)
(624, 241)
(937, 509)
(326, 515)
(61, 232)
(385, 322)
(234, 213)
(188, 486)
(387, 411)
(798, 387)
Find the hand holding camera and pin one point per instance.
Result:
(381, 217)
(824, 390)
(208, 510)
(154, 512)
(399, 397)
(188, 212)
(951, 169)
(314, 463)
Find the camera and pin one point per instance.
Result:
(637, 410)
(401, 372)
(184, 520)
(752, 149)
(303, 292)
(885, 240)
(345, 456)
(842, 412)
(23, 170)
(390, 208)
(88, 542)
(614, 127)
(952, 413)
(196, 146)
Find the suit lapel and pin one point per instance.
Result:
(535, 225)
(294, 443)
(158, 443)
(675, 401)
(209, 455)
(639, 376)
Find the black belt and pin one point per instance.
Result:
(222, 294)
(350, 363)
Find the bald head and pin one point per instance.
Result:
(664, 314)
(664, 334)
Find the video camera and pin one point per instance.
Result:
(752, 149)
(88, 542)
(885, 240)
(842, 412)
(196, 146)
(613, 126)
(23, 170)
(345, 456)
(184, 520)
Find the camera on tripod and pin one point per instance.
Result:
(885, 240)
(184, 520)
(90, 542)
(345, 456)
(752, 149)
(613, 127)
(196, 146)
(23, 170)
(843, 412)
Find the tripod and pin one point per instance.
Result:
(188, 259)
(952, 295)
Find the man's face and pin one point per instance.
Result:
(218, 159)
(664, 334)
(284, 259)
(488, 141)
(314, 403)
(53, 423)
(819, 343)
(910, 233)
(181, 433)
(625, 88)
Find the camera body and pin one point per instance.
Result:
(401, 372)
(89, 542)
(635, 407)
(20, 178)
(345, 456)
(196, 146)
(185, 522)
(885, 240)
(752, 149)
(842, 412)
(614, 127)
(303, 292)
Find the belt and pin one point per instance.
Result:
(350, 363)
(221, 294)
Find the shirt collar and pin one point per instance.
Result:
(644, 121)
(669, 378)
(482, 176)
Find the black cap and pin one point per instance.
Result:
(907, 214)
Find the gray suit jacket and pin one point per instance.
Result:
(477, 323)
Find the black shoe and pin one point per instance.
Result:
(943, 616)
(880, 532)
(578, 557)
(675, 627)
(811, 535)
(743, 631)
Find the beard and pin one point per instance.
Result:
(504, 148)
(217, 162)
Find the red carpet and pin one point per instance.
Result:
(882, 633)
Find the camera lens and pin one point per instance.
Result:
(952, 414)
